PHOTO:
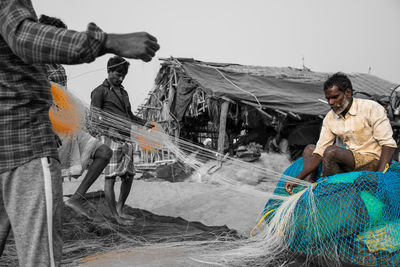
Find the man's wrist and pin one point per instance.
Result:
(108, 44)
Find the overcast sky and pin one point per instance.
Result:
(331, 35)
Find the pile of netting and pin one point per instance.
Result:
(345, 218)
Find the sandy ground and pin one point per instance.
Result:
(239, 207)
(155, 256)
(211, 205)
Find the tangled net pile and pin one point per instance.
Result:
(345, 218)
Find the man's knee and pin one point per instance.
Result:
(330, 152)
(104, 152)
(308, 150)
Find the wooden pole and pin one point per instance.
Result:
(222, 126)
(171, 94)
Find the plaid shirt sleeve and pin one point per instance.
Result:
(37, 43)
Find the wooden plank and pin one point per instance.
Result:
(228, 99)
(149, 107)
(281, 112)
(171, 94)
(222, 126)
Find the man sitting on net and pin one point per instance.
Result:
(361, 124)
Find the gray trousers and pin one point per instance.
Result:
(31, 204)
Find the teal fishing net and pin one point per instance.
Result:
(350, 218)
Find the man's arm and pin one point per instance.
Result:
(137, 45)
(386, 157)
(138, 120)
(307, 169)
(311, 166)
(383, 133)
(326, 138)
(96, 105)
(37, 43)
(96, 98)
(34, 42)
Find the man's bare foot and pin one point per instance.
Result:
(127, 216)
(123, 221)
(77, 206)
(124, 215)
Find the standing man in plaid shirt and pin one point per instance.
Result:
(30, 178)
(81, 151)
(111, 98)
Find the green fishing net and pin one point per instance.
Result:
(350, 218)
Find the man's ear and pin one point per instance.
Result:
(348, 92)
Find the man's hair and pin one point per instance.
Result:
(119, 64)
(340, 80)
(52, 21)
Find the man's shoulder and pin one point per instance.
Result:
(329, 116)
(366, 102)
(99, 87)
(103, 86)
(123, 90)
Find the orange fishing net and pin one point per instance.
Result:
(149, 143)
(63, 114)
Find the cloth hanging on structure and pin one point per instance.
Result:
(184, 93)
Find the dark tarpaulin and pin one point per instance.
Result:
(277, 93)
(305, 133)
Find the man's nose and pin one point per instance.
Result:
(331, 101)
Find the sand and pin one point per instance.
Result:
(199, 199)
(239, 207)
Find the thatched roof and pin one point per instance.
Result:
(280, 88)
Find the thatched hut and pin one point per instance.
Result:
(198, 100)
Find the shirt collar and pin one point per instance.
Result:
(353, 108)
(107, 84)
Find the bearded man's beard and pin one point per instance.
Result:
(339, 109)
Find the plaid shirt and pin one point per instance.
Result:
(56, 73)
(25, 98)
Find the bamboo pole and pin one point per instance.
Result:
(222, 126)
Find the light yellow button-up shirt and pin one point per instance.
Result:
(364, 129)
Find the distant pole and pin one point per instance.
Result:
(369, 70)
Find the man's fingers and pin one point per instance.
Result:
(154, 46)
(289, 187)
(150, 52)
(145, 58)
(151, 37)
